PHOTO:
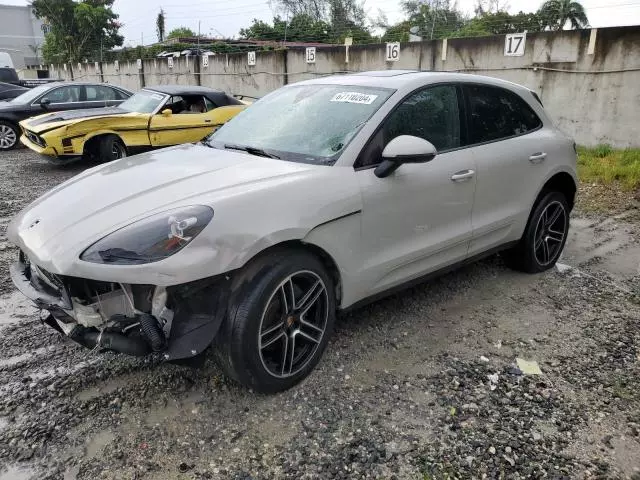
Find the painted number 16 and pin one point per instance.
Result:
(393, 52)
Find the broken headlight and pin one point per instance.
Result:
(151, 239)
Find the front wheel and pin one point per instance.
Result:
(8, 136)
(544, 236)
(279, 324)
(111, 148)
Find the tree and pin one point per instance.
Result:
(500, 23)
(434, 19)
(344, 18)
(78, 29)
(160, 26)
(181, 32)
(397, 33)
(301, 28)
(556, 13)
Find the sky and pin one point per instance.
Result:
(224, 18)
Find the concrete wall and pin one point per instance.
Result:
(593, 95)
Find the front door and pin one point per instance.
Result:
(188, 121)
(418, 219)
(67, 97)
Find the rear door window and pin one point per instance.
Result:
(496, 113)
(99, 93)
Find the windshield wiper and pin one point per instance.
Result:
(250, 150)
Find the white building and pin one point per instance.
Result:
(21, 35)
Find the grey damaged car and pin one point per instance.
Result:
(321, 196)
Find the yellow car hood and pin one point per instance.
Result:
(53, 120)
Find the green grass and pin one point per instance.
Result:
(603, 164)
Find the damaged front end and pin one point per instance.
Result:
(178, 321)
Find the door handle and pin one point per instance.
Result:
(537, 157)
(463, 175)
(207, 121)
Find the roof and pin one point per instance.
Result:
(183, 89)
(57, 84)
(409, 79)
(219, 97)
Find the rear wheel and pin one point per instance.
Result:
(544, 237)
(111, 148)
(278, 323)
(8, 136)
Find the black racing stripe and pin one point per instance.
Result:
(122, 129)
(46, 129)
(77, 114)
(129, 129)
(339, 218)
(160, 129)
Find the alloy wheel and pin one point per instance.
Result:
(550, 233)
(8, 137)
(293, 324)
(118, 151)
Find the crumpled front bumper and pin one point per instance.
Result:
(33, 283)
(199, 310)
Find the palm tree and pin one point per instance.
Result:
(556, 13)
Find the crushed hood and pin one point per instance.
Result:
(87, 207)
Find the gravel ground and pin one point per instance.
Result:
(421, 385)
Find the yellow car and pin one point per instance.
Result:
(153, 117)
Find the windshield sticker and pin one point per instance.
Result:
(354, 97)
(156, 96)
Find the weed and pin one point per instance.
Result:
(603, 164)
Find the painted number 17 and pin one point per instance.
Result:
(514, 44)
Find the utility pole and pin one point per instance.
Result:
(141, 39)
(433, 17)
(286, 23)
(198, 37)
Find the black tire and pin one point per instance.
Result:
(540, 236)
(111, 148)
(9, 136)
(242, 349)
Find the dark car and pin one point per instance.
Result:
(9, 75)
(54, 97)
(9, 90)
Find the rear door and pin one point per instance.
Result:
(509, 147)
(102, 96)
(187, 122)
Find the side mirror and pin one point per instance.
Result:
(45, 102)
(404, 149)
(167, 112)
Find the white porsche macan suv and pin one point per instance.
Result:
(321, 196)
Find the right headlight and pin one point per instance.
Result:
(151, 239)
